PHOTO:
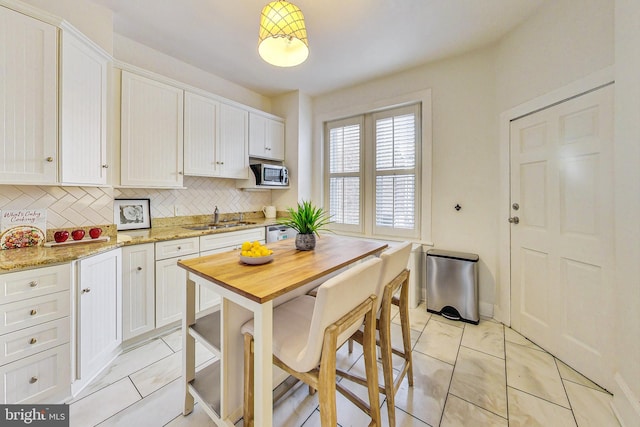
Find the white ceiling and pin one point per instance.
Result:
(350, 41)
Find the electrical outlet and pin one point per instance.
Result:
(177, 210)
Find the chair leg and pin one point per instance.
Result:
(384, 328)
(248, 381)
(406, 329)
(327, 380)
(371, 369)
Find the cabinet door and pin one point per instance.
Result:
(29, 130)
(257, 135)
(200, 134)
(138, 291)
(83, 109)
(233, 143)
(100, 311)
(170, 283)
(275, 139)
(151, 133)
(266, 137)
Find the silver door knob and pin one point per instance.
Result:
(514, 220)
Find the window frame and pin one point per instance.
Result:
(368, 172)
(359, 120)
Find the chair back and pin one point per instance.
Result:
(394, 261)
(336, 297)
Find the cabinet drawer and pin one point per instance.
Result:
(32, 283)
(29, 341)
(31, 312)
(231, 239)
(176, 248)
(34, 379)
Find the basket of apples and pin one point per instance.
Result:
(255, 253)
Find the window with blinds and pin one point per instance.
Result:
(345, 173)
(385, 186)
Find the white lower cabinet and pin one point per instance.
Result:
(138, 290)
(35, 357)
(43, 377)
(99, 295)
(170, 282)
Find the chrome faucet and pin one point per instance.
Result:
(216, 215)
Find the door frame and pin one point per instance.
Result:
(502, 305)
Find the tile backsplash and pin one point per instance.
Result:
(81, 206)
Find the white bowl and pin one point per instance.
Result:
(256, 260)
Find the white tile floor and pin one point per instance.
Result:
(465, 375)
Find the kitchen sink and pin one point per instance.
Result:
(218, 226)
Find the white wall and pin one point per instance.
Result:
(627, 210)
(93, 20)
(297, 108)
(137, 54)
(465, 151)
(564, 41)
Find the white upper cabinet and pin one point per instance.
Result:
(233, 142)
(83, 112)
(266, 137)
(28, 68)
(201, 116)
(151, 133)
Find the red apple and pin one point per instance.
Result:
(95, 232)
(61, 236)
(77, 234)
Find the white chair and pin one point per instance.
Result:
(394, 276)
(307, 331)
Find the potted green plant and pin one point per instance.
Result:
(307, 220)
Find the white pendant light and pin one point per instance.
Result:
(283, 35)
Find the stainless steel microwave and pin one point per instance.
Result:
(268, 174)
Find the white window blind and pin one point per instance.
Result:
(395, 172)
(345, 167)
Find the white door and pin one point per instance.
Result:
(562, 248)
(200, 134)
(138, 290)
(233, 142)
(170, 282)
(151, 133)
(100, 306)
(29, 93)
(83, 113)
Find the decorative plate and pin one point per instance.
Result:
(21, 236)
(256, 260)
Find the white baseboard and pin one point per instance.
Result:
(486, 309)
(625, 404)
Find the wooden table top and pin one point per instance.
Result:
(289, 269)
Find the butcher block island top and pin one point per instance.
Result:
(289, 269)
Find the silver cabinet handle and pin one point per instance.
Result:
(514, 220)
(33, 341)
(105, 166)
(86, 290)
(49, 159)
(33, 312)
(33, 283)
(139, 268)
(33, 380)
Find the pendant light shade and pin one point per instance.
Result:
(283, 35)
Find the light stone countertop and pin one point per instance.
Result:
(26, 258)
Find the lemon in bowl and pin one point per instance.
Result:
(255, 253)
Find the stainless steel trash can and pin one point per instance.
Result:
(452, 285)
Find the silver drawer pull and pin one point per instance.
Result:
(33, 380)
(179, 248)
(86, 290)
(33, 312)
(139, 268)
(33, 283)
(33, 341)
(49, 159)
